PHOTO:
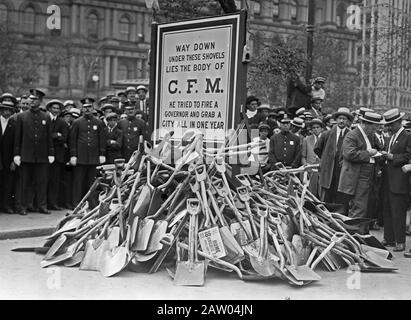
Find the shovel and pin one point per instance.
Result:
(300, 273)
(116, 259)
(191, 272)
(245, 197)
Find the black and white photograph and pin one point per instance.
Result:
(205, 155)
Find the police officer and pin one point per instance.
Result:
(34, 151)
(87, 150)
(59, 132)
(132, 128)
(285, 147)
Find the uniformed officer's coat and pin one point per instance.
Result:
(33, 140)
(132, 129)
(59, 131)
(114, 143)
(88, 140)
(285, 148)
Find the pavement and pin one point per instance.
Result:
(21, 276)
(14, 226)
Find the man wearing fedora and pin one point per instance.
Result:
(329, 149)
(308, 156)
(34, 151)
(398, 187)
(359, 152)
(7, 173)
(59, 133)
(285, 147)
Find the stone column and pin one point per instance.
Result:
(147, 27)
(139, 68)
(74, 20)
(115, 34)
(330, 13)
(266, 10)
(107, 71)
(285, 12)
(132, 29)
(115, 68)
(140, 24)
(82, 20)
(302, 12)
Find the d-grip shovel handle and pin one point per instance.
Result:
(262, 254)
(193, 208)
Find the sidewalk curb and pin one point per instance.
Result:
(26, 233)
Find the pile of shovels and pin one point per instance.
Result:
(193, 216)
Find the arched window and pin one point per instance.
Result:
(3, 13)
(341, 15)
(29, 20)
(276, 9)
(92, 26)
(124, 28)
(122, 73)
(293, 10)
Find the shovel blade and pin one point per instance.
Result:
(143, 202)
(264, 267)
(57, 245)
(75, 260)
(303, 273)
(234, 251)
(187, 275)
(379, 261)
(114, 261)
(114, 237)
(158, 232)
(94, 254)
(143, 234)
(58, 259)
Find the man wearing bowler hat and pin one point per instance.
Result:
(397, 188)
(359, 158)
(34, 151)
(87, 150)
(329, 149)
(59, 132)
(7, 173)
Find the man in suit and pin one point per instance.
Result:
(132, 128)
(142, 102)
(285, 147)
(308, 156)
(398, 186)
(114, 138)
(87, 150)
(59, 132)
(359, 149)
(7, 172)
(34, 151)
(329, 149)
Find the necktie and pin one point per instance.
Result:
(339, 143)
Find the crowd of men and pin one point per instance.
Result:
(360, 154)
(49, 152)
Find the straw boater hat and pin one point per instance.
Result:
(7, 105)
(141, 87)
(298, 122)
(69, 103)
(371, 117)
(308, 115)
(131, 89)
(112, 115)
(362, 111)
(75, 112)
(316, 121)
(300, 111)
(319, 80)
(107, 106)
(393, 115)
(264, 107)
(54, 101)
(343, 111)
(263, 126)
(8, 95)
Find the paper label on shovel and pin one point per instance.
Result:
(211, 242)
(239, 233)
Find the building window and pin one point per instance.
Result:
(276, 8)
(54, 74)
(29, 20)
(341, 15)
(122, 73)
(124, 28)
(293, 10)
(92, 26)
(3, 13)
(257, 8)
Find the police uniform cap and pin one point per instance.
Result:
(38, 93)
